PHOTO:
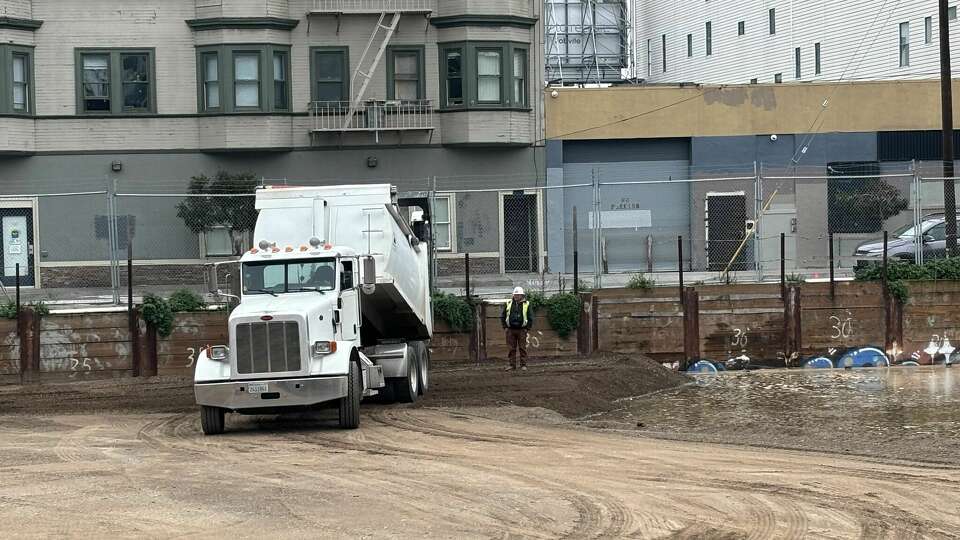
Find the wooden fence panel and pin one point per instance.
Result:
(640, 321)
(9, 352)
(931, 314)
(91, 345)
(741, 319)
(192, 332)
(855, 317)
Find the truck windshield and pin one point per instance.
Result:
(278, 277)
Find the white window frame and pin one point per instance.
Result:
(903, 50)
(451, 224)
(204, 246)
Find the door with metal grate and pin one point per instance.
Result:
(726, 229)
(17, 228)
(520, 232)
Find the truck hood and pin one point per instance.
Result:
(305, 304)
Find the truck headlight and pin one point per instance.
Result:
(321, 348)
(219, 353)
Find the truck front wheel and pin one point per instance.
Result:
(211, 420)
(350, 405)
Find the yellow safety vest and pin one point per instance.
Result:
(526, 308)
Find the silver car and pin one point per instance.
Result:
(901, 242)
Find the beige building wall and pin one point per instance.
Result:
(68, 25)
(704, 111)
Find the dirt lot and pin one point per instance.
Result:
(452, 467)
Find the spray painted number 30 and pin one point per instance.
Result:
(842, 328)
(739, 337)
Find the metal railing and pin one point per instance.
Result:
(374, 6)
(372, 116)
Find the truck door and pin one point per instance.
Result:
(349, 303)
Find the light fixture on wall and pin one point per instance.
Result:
(116, 166)
(372, 162)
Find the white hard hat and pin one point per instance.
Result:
(518, 291)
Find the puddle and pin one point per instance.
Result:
(862, 410)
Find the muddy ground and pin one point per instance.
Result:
(126, 459)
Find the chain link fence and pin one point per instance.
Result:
(595, 227)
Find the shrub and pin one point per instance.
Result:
(454, 310)
(795, 279)
(537, 300)
(185, 300)
(158, 313)
(563, 313)
(640, 281)
(900, 271)
(8, 310)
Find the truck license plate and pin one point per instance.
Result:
(256, 388)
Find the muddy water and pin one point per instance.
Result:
(910, 413)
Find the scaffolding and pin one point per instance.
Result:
(586, 41)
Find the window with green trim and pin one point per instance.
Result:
(405, 77)
(520, 76)
(16, 79)
(482, 74)
(243, 78)
(116, 81)
(328, 69)
(453, 80)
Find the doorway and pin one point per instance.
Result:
(521, 246)
(726, 229)
(16, 225)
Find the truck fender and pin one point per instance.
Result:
(210, 370)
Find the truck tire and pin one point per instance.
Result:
(406, 389)
(424, 360)
(211, 420)
(350, 405)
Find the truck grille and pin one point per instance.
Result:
(268, 347)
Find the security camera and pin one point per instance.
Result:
(773, 138)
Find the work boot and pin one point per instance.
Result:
(511, 368)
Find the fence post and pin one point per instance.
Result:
(691, 327)
(893, 324)
(576, 255)
(884, 276)
(792, 325)
(833, 287)
(649, 253)
(28, 329)
(466, 270)
(132, 319)
(680, 263)
(783, 268)
(586, 330)
(18, 289)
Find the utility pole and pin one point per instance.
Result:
(946, 97)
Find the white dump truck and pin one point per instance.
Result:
(334, 306)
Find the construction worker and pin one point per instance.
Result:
(517, 319)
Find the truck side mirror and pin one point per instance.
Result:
(213, 285)
(369, 271)
(420, 229)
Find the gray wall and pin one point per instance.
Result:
(66, 224)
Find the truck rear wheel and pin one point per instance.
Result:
(212, 420)
(406, 389)
(350, 405)
(423, 358)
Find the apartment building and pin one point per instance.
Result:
(133, 97)
(774, 41)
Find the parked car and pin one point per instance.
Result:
(901, 242)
